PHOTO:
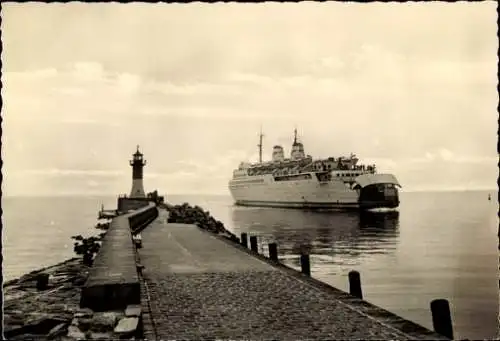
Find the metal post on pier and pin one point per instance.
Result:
(441, 317)
(244, 240)
(253, 244)
(355, 284)
(273, 252)
(305, 264)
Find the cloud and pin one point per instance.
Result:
(96, 92)
(194, 93)
(73, 172)
(87, 121)
(130, 83)
(444, 155)
(93, 184)
(88, 71)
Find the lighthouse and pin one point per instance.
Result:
(137, 164)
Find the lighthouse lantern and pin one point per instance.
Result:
(137, 164)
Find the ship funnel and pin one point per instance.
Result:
(297, 149)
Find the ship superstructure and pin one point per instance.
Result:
(303, 182)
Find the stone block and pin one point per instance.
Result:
(42, 324)
(14, 318)
(133, 310)
(59, 330)
(101, 336)
(110, 297)
(84, 323)
(127, 327)
(75, 333)
(84, 312)
(102, 322)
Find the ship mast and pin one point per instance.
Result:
(260, 145)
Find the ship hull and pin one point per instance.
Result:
(320, 205)
(300, 205)
(263, 191)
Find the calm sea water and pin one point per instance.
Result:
(438, 245)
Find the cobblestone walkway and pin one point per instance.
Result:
(202, 288)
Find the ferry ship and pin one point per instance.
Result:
(303, 182)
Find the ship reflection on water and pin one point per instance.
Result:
(335, 241)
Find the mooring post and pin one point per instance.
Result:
(355, 284)
(305, 264)
(140, 268)
(273, 252)
(441, 317)
(253, 244)
(42, 281)
(244, 240)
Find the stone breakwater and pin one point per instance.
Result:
(186, 214)
(54, 313)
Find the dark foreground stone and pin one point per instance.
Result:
(54, 313)
(43, 311)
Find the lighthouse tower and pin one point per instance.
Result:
(137, 164)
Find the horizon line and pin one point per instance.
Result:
(223, 194)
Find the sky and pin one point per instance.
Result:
(410, 87)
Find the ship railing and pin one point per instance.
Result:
(308, 165)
